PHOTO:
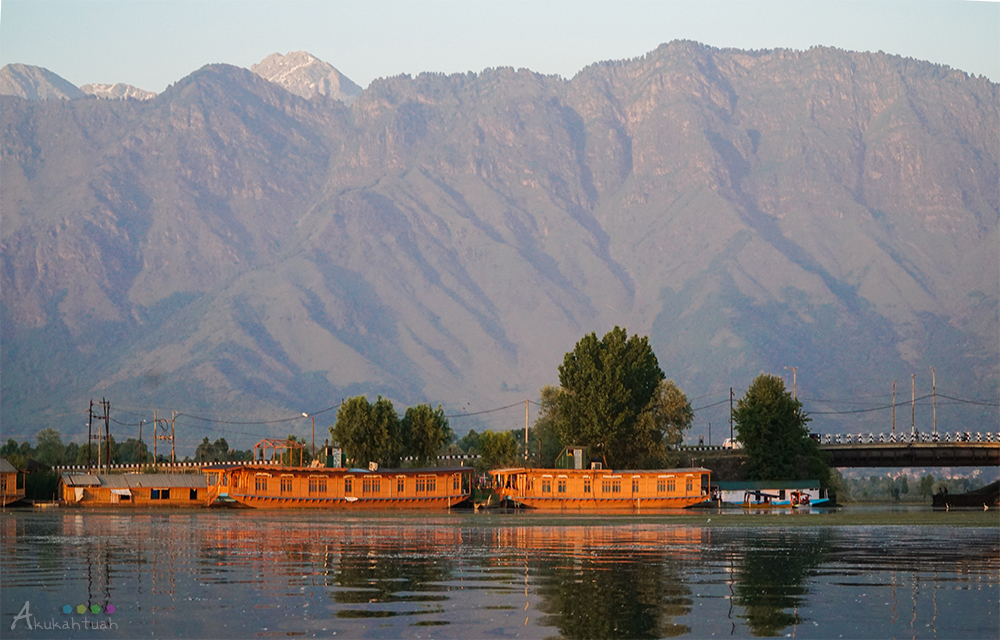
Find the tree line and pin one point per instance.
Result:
(612, 398)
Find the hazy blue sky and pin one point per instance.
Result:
(152, 43)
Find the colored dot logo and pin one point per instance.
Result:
(94, 609)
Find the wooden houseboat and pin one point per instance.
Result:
(11, 483)
(274, 486)
(599, 489)
(269, 484)
(132, 490)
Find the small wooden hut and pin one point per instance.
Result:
(11, 483)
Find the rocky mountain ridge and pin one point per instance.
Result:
(229, 248)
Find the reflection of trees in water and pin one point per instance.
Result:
(615, 584)
(770, 577)
(390, 573)
(607, 596)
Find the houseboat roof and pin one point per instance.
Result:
(657, 471)
(6, 467)
(258, 466)
(135, 480)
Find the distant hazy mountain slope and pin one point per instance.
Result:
(307, 76)
(35, 83)
(229, 248)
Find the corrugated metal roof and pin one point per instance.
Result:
(80, 480)
(6, 466)
(134, 480)
(168, 480)
(113, 481)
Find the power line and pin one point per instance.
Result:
(477, 413)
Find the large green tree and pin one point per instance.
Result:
(544, 437)
(497, 449)
(49, 448)
(607, 383)
(424, 431)
(368, 432)
(772, 428)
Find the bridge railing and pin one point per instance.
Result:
(907, 438)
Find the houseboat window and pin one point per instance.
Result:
(612, 486)
(154, 494)
(432, 483)
(225, 480)
(371, 485)
(421, 484)
(671, 485)
(286, 484)
(688, 486)
(546, 486)
(400, 485)
(322, 485)
(348, 485)
(313, 485)
(455, 484)
(661, 485)
(635, 485)
(562, 486)
(194, 494)
(213, 479)
(586, 485)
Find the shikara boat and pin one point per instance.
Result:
(598, 489)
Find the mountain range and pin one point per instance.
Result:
(250, 246)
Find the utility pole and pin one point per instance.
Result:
(795, 393)
(173, 453)
(934, 396)
(526, 432)
(306, 415)
(893, 407)
(107, 434)
(730, 415)
(90, 434)
(913, 403)
(156, 436)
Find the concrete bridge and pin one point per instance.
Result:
(959, 449)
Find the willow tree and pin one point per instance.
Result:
(607, 384)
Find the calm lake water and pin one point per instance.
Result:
(847, 573)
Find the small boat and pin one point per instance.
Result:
(760, 500)
(801, 500)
